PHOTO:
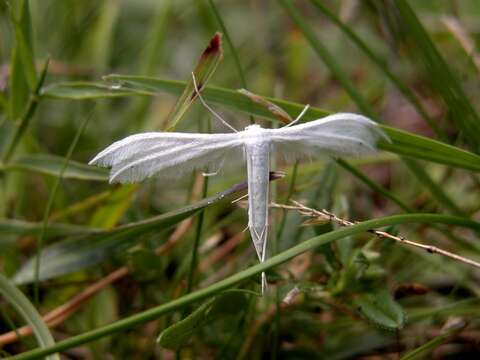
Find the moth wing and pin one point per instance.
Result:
(342, 134)
(169, 154)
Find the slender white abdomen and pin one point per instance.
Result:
(258, 168)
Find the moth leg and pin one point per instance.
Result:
(264, 276)
(213, 173)
(208, 107)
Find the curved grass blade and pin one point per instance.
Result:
(28, 312)
(206, 66)
(440, 75)
(81, 90)
(212, 290)
(80, 252)
(395, 80)
(403, 142)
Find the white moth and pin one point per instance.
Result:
(168, 153)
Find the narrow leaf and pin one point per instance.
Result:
(80, 252)
(206, 66)
(403, 143)
(22, 63)
(223, 306)
(382, 310)
(28, 312)
(52, 164)
(21, 227)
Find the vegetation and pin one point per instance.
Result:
(372, 256)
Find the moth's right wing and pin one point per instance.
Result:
(166, 153)
(342, 134)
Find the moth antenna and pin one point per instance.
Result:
(204, 103)
(299, 116)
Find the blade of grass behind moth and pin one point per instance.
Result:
(440, 75)
(389, 195)
(49, 205)
(327, 58)
(78, 253)
(435, 190)
(364, 106)
(206, 66)
(403, 142)
(232, 48)
(23, 77)
(409, 95)
(373, 185)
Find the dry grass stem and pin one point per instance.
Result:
(325, 215)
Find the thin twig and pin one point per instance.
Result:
(325, 215)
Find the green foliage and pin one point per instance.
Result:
(174, 251)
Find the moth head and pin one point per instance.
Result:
(253, 127)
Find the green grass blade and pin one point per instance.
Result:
(52, 165)
(328, 59)
(373, 185)
(403, 142)
(212, 290)
(396, 81)
(23, 78)
(28, 312)
(80, 252)
(437, 192)
(204, 69)
(445, 82)
(28, 113)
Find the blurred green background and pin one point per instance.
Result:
(410, 65)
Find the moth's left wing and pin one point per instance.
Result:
(342, 134)
(166, 153)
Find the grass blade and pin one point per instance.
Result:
(328, 59)
(23, 78)
(409, 95)
(438, 72)
(403, 142)
(437, 192)
(206, 66)
(80, 252)
(52, 165)
(28, 312)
